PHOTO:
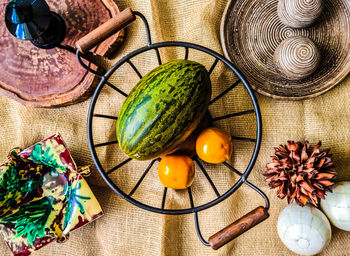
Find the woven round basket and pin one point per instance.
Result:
(251, 31)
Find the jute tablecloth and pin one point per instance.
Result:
(128, 230)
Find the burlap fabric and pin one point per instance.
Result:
(128, 230)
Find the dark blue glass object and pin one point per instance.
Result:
(33, 20)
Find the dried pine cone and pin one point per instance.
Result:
(301, 173)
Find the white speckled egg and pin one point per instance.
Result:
(336, 205)
(304, 230)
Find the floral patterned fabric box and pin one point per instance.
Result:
(43, 196)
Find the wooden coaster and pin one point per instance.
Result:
(46, 78)
(251, 31)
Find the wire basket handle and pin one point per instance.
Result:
(106, 30)
(238, 227)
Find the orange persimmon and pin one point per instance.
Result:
(176, 171)
(214, 145)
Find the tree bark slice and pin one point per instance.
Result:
(46, 78)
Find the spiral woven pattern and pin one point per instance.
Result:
(299, 13)
(251, 32)
(297, 57)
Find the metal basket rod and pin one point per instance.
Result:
(207, 176)
(143, 176)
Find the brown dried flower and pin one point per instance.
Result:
(301, 173)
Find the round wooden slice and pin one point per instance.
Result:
(46, 78)
(251, 31)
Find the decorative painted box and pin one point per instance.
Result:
(43, 196)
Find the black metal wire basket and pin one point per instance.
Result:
(239, 226)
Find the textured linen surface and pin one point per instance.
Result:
(128, 230)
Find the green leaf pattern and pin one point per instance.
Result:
(45, 158)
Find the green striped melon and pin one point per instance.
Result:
(163, 109)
